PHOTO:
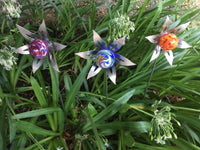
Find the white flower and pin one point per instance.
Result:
(6, 57)
(12, 8)
(156, 111)
(59, 148)
(160, 141)
(106, 144)
(121, 26)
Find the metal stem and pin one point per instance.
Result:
(106, 88)
(146, 90)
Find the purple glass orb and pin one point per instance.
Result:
(38, 49)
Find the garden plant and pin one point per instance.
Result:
(138, 87)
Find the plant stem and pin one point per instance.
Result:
(142, 111)
(106, 88)
(185, 108)
(146, 90)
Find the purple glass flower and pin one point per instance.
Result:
(105, 57)
(168, 41)
(39, 47)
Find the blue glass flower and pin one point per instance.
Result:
(105, 57)
(40, 47)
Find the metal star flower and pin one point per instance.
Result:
(105, 57)
(167, 41)
(39, 47)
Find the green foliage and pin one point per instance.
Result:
(51, 110)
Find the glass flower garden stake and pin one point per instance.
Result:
(39, 47)
(105, 57)
(167, 41)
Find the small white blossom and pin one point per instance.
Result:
(106, 144)
(6, 57)
(120, 26)
(160, 141)
(59, 148)
(162, 127)
(12, 8)
(156, 111)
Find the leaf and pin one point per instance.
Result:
(92, 110)
(128, 139)
(75, 87)
(61, 120)
(136, 127)
(29, 127)
(37, 112)
(67, 81)
(1, 142)
(55, 85)
(13, 130)
(110, 110)
(38, 92)
(185, 145)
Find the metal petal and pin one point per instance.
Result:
(27, 34)
(169, 56)
(36, 64)
(52, 61)
(156, 53)
(181, 28)
(123, 60)
(58, 46)
(43, 30)
(112, 74)
(153, 38)
(86, 54)
(117, 44)
(99, 43)
(22, 49)
(183, 44)
(166, 24)
(94, 71)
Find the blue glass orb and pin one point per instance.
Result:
(105, 59)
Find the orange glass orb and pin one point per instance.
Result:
(168, 41)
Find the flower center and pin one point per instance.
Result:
(105, 59)
(168, 41)
(38, 48)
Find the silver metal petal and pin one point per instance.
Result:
(117, 44)
(52, 61)
(22, 50)
(181, 28)
(123, 60)
(27, 34)
(153, 38)
(36, 65)
(42, 29)
(183, 44)
(93, 71)
(166, 24)
(112, 74)
(98, 40)
(86, 54)
(169, 56)
(156, 53)
(58, 46)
